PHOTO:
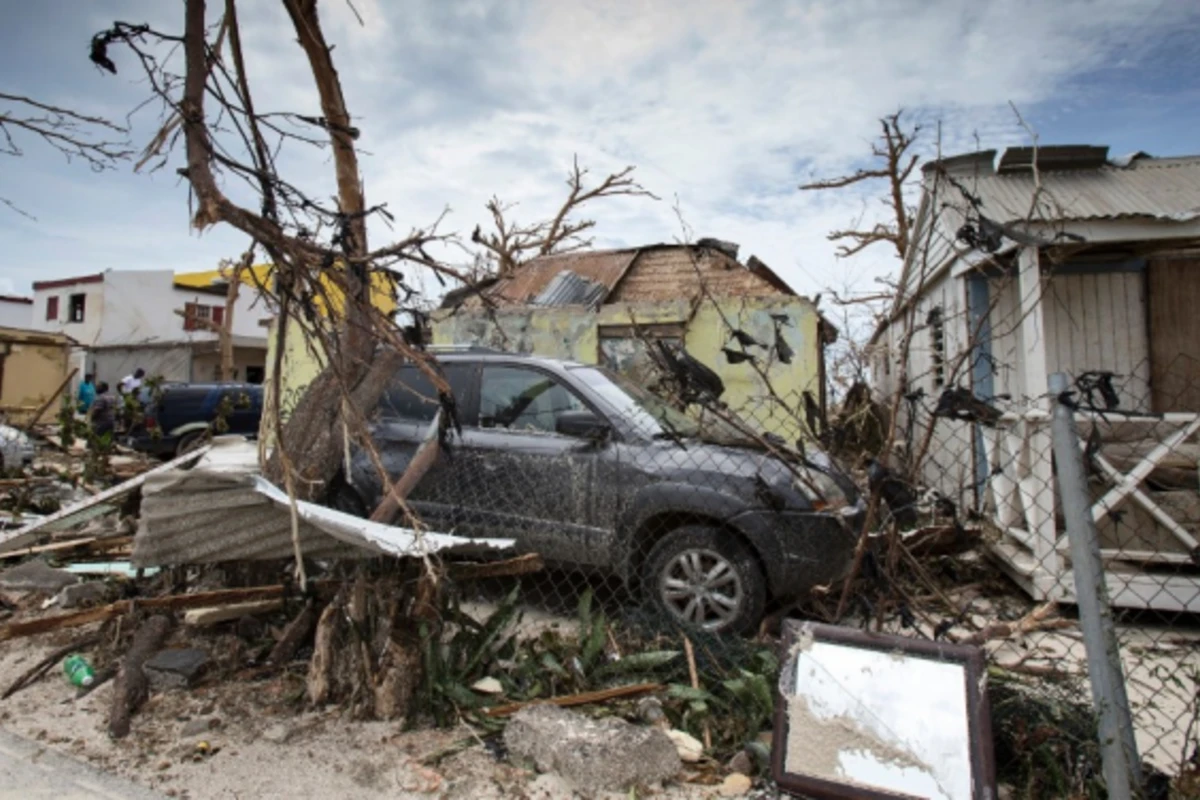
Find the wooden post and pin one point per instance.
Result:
(1033, 326)
(50, 400)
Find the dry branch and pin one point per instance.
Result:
(295, 635)
(582, 699)
(1043, 618)
(521, 565)
(176, 602)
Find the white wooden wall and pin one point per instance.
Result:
(1098, 322)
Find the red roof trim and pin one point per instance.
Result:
(58, 284)
(9, 298)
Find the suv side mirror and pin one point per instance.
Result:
(581, 424)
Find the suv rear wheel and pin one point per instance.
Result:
(705, 577)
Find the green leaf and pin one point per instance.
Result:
(552, 664)
(639, 662)
(681, 692)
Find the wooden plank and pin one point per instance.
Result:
(214, 615)
(53, 547)
(1174, 297)
(1139, 473)
(37, 415)
(175, 602)
(1099, 511)
(13, 539)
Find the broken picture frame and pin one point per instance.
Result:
(878, 716)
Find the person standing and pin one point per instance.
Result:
(131, 383)
(102, 413)
(87, 393)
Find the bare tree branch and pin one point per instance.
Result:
(510, 244)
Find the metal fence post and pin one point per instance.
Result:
(1118, 748)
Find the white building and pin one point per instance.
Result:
(125, 319)
(15, 312)
(1084, 266)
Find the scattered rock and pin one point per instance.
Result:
(199, 727)
(276, 734)
(690, 748)
(742, 763)
(735, 785)
(488, 686)
(594, 755)
(36, 576)
(175, 668)
(83, 594)
(650, 709)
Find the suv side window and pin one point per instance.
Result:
(412, 396)
(523, 399)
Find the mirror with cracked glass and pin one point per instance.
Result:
(865, 715)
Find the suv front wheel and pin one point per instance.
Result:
(705, 577)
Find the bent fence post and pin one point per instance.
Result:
(1118, 747)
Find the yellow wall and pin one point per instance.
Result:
(32, 371)
(381, 287)
(574, 334)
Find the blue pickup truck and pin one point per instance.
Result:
(177, 417)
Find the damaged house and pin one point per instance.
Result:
(604, 306)
(1059, 259)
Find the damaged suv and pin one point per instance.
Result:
(593, 472)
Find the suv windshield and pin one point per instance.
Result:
(652, 415)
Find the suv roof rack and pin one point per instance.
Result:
(463, 348)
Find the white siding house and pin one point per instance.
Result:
(1080, 265)
(16, 312)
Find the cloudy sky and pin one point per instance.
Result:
(724, 106)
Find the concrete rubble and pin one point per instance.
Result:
(176, 668)
(592, 754)
(36, 576)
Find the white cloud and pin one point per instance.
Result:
(726, 106)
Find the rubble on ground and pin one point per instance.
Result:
(604, 754)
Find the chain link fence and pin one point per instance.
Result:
(675, 532)
(993, 465)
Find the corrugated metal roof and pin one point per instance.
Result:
(568, 289)
(1157, 188)
(222, 510)
(605, 267)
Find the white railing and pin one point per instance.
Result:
(1022, 495)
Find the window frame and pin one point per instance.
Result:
(464, 402)
(477, 410)
(82, 307)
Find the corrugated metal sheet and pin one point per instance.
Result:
(222, 510)
(568, 289)
(605, 267)
(1159, 188)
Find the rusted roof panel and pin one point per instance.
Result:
(604, 267)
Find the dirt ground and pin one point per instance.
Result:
(258, 747)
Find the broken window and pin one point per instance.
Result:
(76, 306)
(51, 309)
(412, 396)
(623, 349)
(937, 337)
(523, 399)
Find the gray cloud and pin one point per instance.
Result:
(725, 106)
